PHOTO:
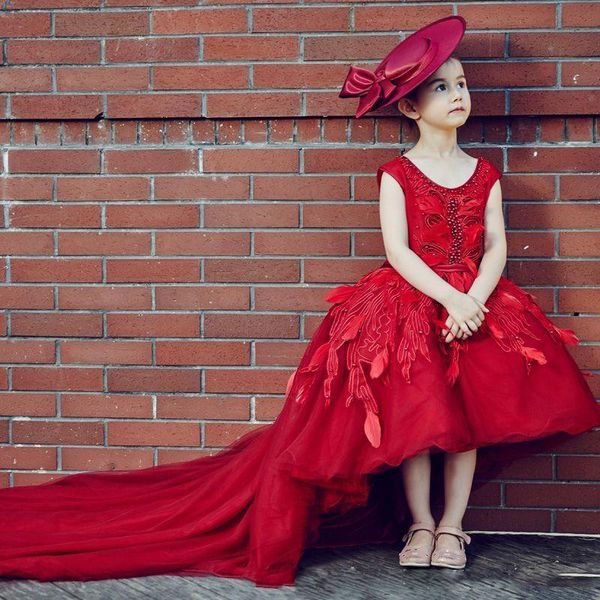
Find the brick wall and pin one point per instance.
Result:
(181, 186)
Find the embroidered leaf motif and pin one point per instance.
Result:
(373, 429)
(567, 336)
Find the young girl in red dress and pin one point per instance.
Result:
(432, 355)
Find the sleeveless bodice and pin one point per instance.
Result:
(445, 225)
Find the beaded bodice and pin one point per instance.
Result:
(445, 225)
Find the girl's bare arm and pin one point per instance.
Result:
(494, 257)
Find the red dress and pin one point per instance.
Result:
(376, 385)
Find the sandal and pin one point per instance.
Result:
(444, 557)
(416, 556)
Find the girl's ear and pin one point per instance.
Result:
(404, 106)
(407, 108)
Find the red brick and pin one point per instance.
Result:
(106, 405)
(105, 459)
(101, 24)
(250, 48)
(155, 216)
(56, 269)
(56, 324)
(153, 105)
(27, 457)
(223, 434)
(150, 270)
(151, 324)
(150, 379)
(582, 468)
(106, 352)
(55, 215)
(202, 353)
(250, 325)
(203, 20)
(53, 160)
(104, 297)
(309, 19)
(26, 404)
(134, 433)
(55, 432)
(201, 77)
(202, 407)
(102, 78)
(25, 79)
(553, 272)
(557, 495)
(103, 243)
(513, 15)
(151, 50)
(50, 52)
(580, 243)
(203, 244)
(580, 14)
(554, 43)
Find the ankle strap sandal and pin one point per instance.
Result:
(416, 556)
(444, 557)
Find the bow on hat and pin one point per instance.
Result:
(375, 88)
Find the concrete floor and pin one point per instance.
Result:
(501, 566)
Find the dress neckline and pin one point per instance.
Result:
(479, 161)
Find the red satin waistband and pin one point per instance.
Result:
(457, 266)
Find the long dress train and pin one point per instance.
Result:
(375, 386)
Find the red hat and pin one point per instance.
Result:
(410, 63)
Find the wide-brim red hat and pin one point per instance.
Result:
(410, 63)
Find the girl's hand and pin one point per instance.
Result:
(465, 315)
(452, 330)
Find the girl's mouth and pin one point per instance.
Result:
(457, 109)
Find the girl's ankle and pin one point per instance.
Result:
(449, 524)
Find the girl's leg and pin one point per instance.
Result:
(416, 476)
(459, 468)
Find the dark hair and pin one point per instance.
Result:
(412, 96)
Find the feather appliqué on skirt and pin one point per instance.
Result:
(376, 319)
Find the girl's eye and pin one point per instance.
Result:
(462, 83)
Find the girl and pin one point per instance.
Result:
(439, 106)
(432, 354)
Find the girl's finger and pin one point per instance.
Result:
(481, 304)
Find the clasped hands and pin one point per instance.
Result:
(465, 315)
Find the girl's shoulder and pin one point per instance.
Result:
(494, 172)
(491, 174)
(394, 168)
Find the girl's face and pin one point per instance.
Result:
(437, 98)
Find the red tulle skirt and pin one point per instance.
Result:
(375, 386)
